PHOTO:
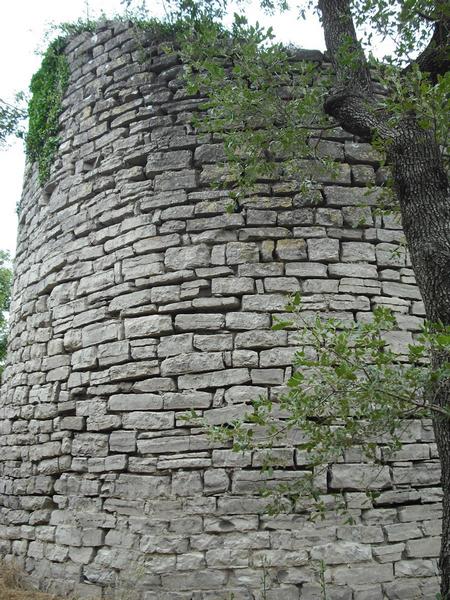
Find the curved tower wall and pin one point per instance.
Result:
(138, 297)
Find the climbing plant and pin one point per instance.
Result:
(47, 87)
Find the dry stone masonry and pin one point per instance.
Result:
(138, 298)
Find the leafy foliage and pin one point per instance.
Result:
(263, 102)
(47, 87)
(350, 389)
(5, 293)
(11, 118)
(50, 82)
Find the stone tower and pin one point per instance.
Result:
(137, 297)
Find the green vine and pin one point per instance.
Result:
(49, 84)
(47, 87)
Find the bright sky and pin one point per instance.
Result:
(22, 29)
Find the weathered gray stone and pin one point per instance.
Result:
(291, 250)
(194, 322)
(323, 249)
(360, 477)
(153, 325)
(148, 420)
(126, 402)
(214, 379)
(187, 258)
(90, 444)
(241, 252)
(193, 362)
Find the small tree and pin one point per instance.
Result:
(11, 119)
(5, 293)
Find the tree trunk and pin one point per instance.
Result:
(421, 185)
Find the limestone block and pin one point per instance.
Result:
(129, 402)
(216, 481)
(133, 370)
(329, 217)
(306, 269)
(148, 420)
(98, 333)
(130, 487)
(94, 283)
(156, 243)
(388, 553)
(416, 568)
(174, 344)
(122, 441)
(320, 286)
(291, 249)
(342, 552)
(194, 362)
(186, 483)
(247, 320)
(153, 325)
(220, 223)
(267, 376)
(214, 379)
(362, 153)
(390, 255)
(211, 343)
(424, 548)
(264, 303)
(187, 400)
(232, 285)
(165, 294)
(202, 322)
(344, 196)
(45, 450)
(277, 357)
(272, 269)
(188, 257)
(357, 216)
(113, 353)
(260, 339)
(159, 162)
(426, 474)
(84, 359)
(400, 290)
(142, 266)
(357, 575)
(360, 477)
(281, 284)
(241, 252)
(90, 444)
(200, 580)
(323, 249)
(357, 252)
(162, 445)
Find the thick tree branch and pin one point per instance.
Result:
(435, 58)
(358, 114)
(346, 53)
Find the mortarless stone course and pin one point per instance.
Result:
(137, 298)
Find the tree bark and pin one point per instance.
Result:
(421, 186)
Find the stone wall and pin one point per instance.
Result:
(138, 297)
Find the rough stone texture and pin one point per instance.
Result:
(137, 298)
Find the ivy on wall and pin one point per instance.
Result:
(48, 86)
